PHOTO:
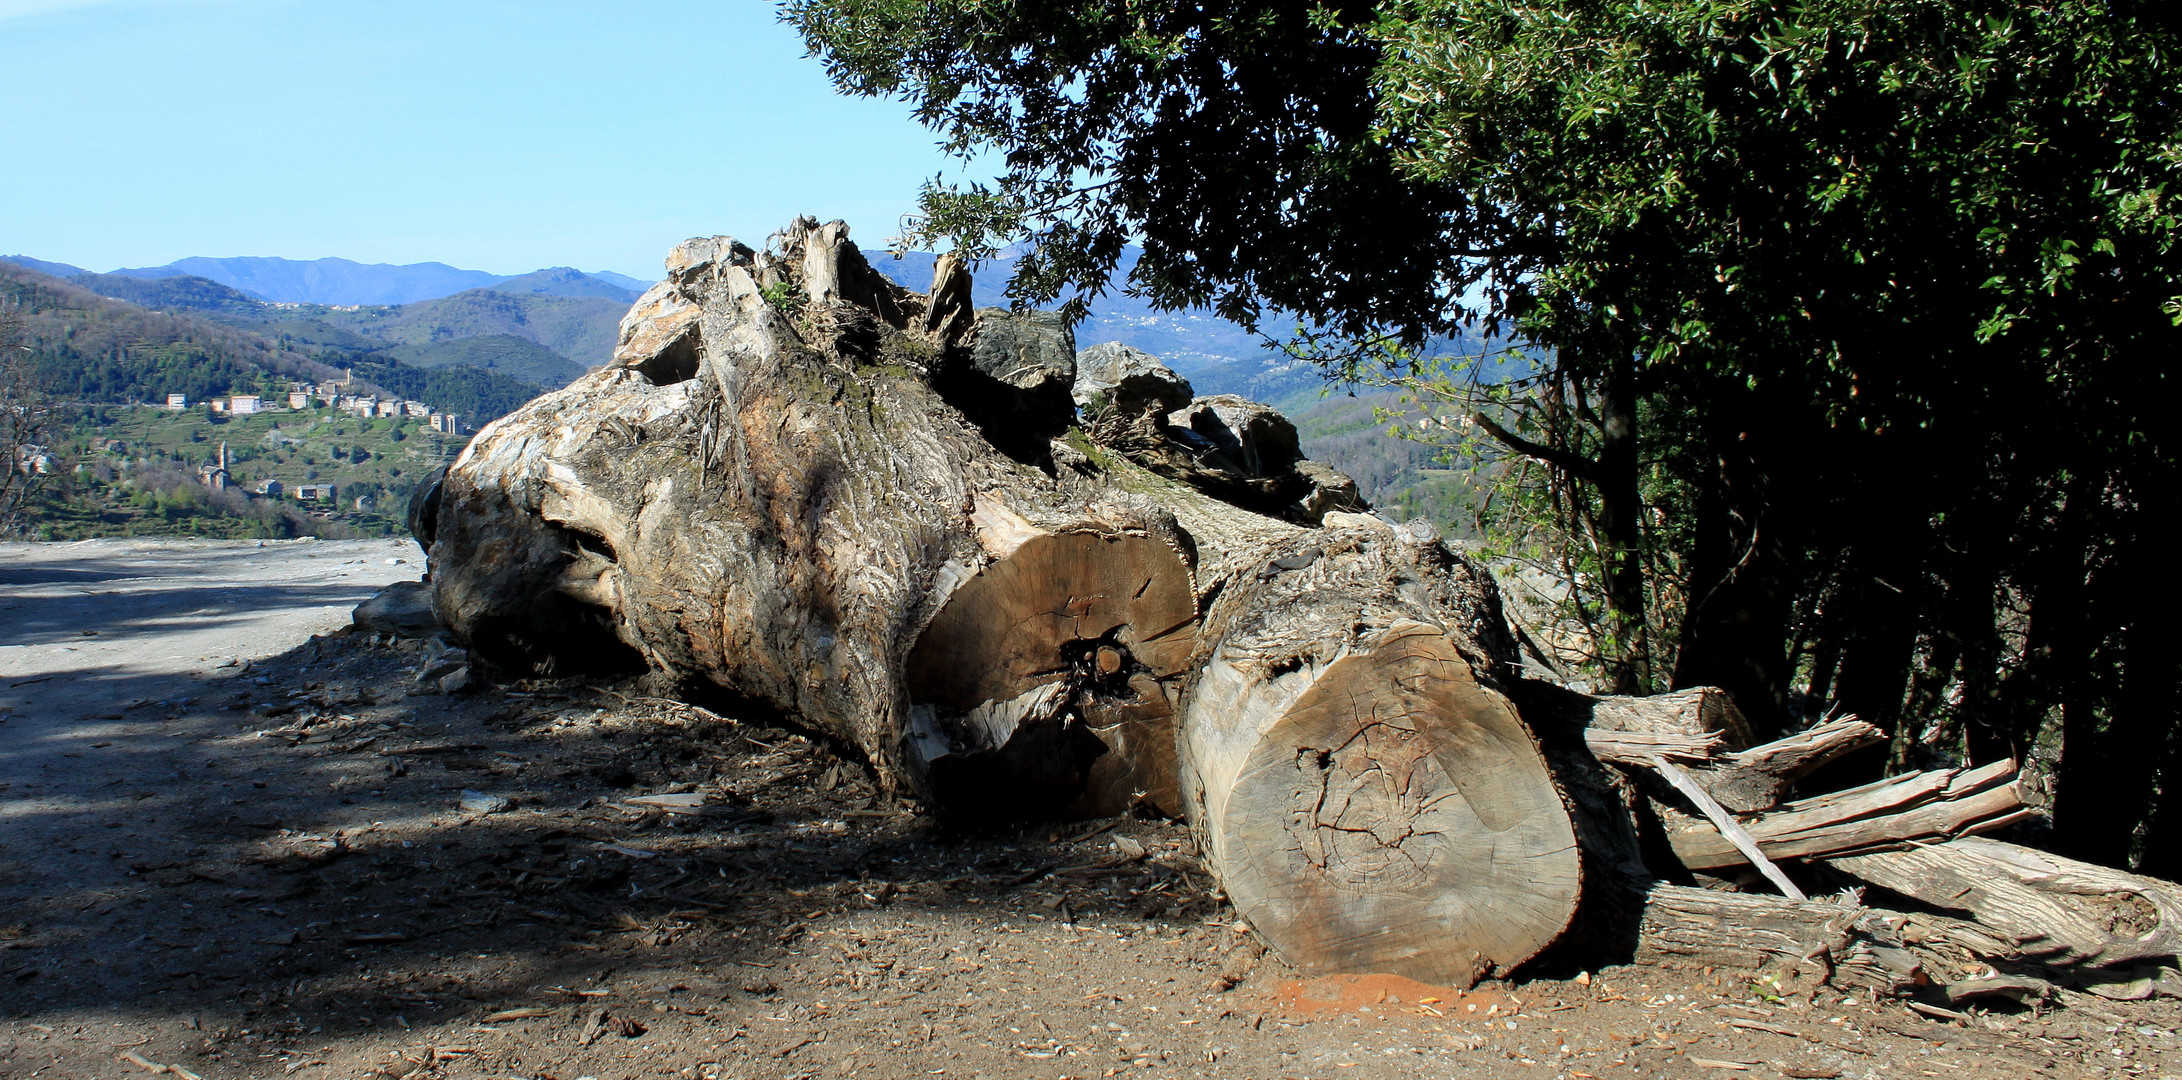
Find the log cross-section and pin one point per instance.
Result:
(1084, 630)
(1371, 804)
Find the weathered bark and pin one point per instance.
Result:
(1742, 780)
(1371, 799)
(791, 510)
(1703, 713)
(1801, 944)
(1928, 806)
(2055, 910)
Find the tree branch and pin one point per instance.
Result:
(1573, 464)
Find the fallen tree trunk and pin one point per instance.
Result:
(2054, 910)
(1928, 806)
(801, 509)
(835, 511)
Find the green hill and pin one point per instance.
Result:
(581, 328)
(132, 466)
(192, 293)
(563, 281)
(133, 471)
(88, 348)
(514, 357)
(98, 350)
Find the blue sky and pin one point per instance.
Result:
(489, 135)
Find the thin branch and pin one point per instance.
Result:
(1572, 464)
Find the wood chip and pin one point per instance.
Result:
(426, 751)
(1714, 1063)
(525, 1013)
(592, 1028)
(681, 801)
(1754, 1025)
(1937, 1012)
(142, 1062)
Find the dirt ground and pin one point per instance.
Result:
(303, 864)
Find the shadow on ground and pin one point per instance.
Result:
(279, 868)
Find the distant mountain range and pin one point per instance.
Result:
(340, 282)
(433, 313)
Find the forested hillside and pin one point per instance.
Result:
(581, 328)
(90, 348)
(505, 354)
(95, 349)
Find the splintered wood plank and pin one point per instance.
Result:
(1935, 805)
(1397, 817)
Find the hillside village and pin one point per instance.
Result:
(270, 473)
(342, 395)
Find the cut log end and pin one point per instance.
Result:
(1041, 686)
(1397, 817)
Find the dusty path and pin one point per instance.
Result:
(123, 618)
(272, 870)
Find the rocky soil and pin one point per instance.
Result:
(309, 863)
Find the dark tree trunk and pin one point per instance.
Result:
(1621, 509)
(1742, 581)
(1875, 657)
(2108, 801)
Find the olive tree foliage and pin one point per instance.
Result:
(1882, 301)
(1236, 142)
(1852, 321)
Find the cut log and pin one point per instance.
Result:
(1636, 749)
(2056, 911)
(1370, 801)
(1067, 641)
(1927, 806)
(1800, 944)
(1700, 712)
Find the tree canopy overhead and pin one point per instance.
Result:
(1854, 319)
(1235, 142)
